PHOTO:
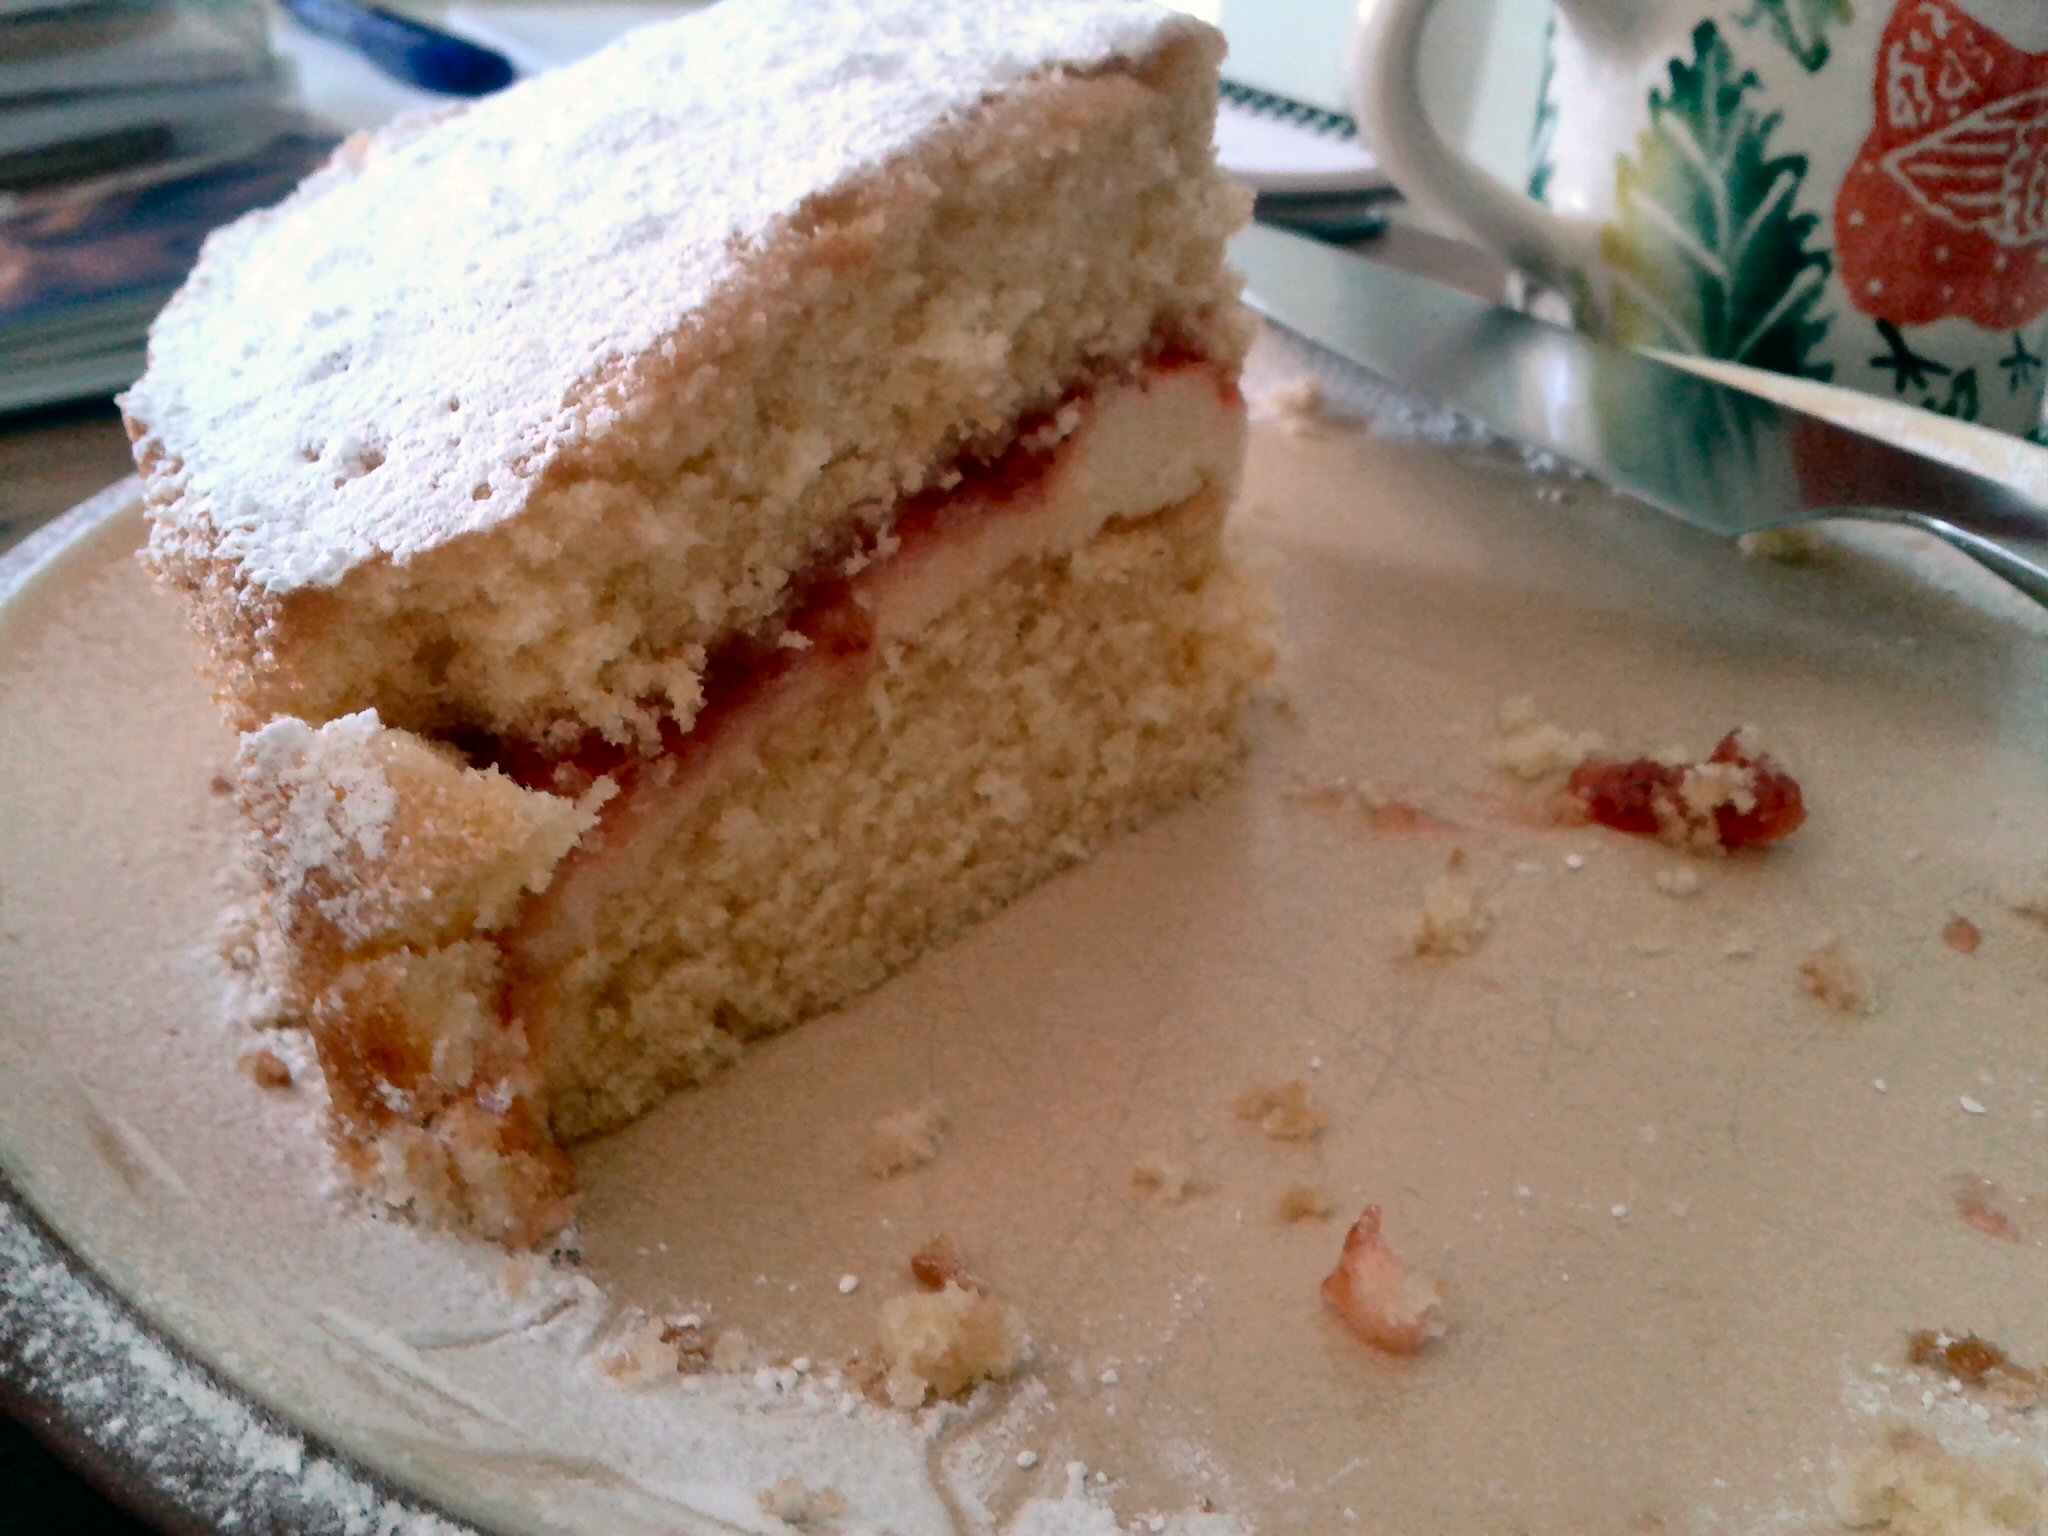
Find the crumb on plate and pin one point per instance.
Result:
(910, 1139)
(795, 1502)
(1977, 1363)
(691, 1348)
(1798, 545)
(1165, 1179)
(939, 1263)
(1304, 1202)
(1452, 918)
(1380, 1299)
(1834, 976)
(1678, 880)
(1532, 748)
(1282, 1111)
(1913, 1486)
(1295, 405)
(940, 1343)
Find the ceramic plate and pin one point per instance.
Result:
(1684, 1214)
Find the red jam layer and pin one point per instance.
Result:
(821, 607)
(1647, 798)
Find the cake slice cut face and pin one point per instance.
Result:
(687, 535)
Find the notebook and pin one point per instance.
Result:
(1285, 127)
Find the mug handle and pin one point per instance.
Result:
(1384, 75)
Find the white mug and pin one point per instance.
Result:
(1846, 190)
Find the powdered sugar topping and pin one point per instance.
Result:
(393, 357)
(335, 805)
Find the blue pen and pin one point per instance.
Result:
(407, 50)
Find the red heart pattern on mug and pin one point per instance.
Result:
(1945, 210)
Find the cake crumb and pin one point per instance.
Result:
(1962, 935)
(1166, 1180)
(1914, 1486)
(1834, 976)
(685, 1339)
(648, 1349)
(1301, 396)
(1678, 880)
(1798, 545)
(940, 1343)
(907, 1140)
(1304, 1202)
(794, 1502)
(1381, 1300)
(266, 1069)
(1282, 1111)
(939, 1263)
(1453, 916)
(1532, 748)
(1975, 1363)
(848, 1284)
(1295, 405)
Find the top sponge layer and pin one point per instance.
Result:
(394, 356)
(504, 421)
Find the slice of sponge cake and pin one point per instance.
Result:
(690, 532)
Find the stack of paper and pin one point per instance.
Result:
(128, 129)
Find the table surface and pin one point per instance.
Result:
(52, 460)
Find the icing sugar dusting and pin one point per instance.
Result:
(323, 832)
(103, 1373)
(392, 357)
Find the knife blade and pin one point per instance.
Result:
(1706, 452)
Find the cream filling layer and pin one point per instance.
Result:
(1134, 449)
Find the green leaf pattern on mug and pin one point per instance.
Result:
(1542, 140)
(1801, 25)
(1961, 399)
(1708, 249)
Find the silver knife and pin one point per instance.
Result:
(1713, 455)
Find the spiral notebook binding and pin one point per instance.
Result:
(1336, 125)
